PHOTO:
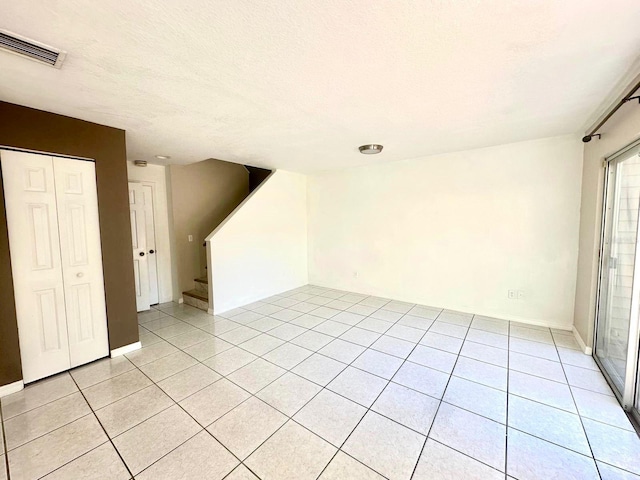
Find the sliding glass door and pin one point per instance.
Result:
(618, 318)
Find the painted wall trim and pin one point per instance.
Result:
(583, 346)
(11, 388)
(126, 349)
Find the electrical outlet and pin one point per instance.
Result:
(515, 294)
(355, 274)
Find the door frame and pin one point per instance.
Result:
(631, 386)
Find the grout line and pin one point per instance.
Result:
(581, 421)
(435, 415)
(103, 429)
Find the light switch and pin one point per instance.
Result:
(190, 238)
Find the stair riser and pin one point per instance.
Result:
(202, 287)
(195, 302)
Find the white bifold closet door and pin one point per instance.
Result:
(56, 261)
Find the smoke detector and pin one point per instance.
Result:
(371, 149)
(25, 47)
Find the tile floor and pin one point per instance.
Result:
(317, 383)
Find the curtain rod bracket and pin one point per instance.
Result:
(588, 138)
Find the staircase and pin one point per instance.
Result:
(199, 296)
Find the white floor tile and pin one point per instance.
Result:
(608, 472)
(587, 379)
(244, 428)
(343, 466)
(541, 390)
(530, 458)
(154, 438)
(442, 342)
(551, 424)
(256, 375)
(378, 363)
(602, 408)
(210, 403)
(359, 386)
(614, 446)
(439, 462)
(289, 393)
(330, 416)
(486, 401)
(393, 346)
(407, 407)
(485, 353)
(471, 434)
(385, 446)
(433, 358)
(345, 352)
(480, 372)
(423, 379)
(489, 324)
(292, 453)
(319, 369)
(539, 367)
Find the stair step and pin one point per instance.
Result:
(201, 280)
(200, 295)
(196, 298)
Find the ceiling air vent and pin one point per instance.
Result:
(31, 49)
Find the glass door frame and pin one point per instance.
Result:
(627, 397)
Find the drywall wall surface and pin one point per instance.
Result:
(155, 175)
(456, 231)
(261, 249)
(621, 130)
(26, 128)
(202, 195)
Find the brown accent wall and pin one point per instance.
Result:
(26, 128)
(202, 194)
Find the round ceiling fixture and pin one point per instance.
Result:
(163, 157)
(370, 149)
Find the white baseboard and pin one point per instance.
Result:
(583, 346)
(126, 349)
(11, 388)
(180, 300)
(210, 311)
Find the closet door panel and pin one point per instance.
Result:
(81, 255)
(30, 199)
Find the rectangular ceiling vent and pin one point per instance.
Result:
(31, 49)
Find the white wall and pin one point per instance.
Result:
(457, 230)
(261, 248)
(155, 175)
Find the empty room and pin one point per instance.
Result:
(342, 240)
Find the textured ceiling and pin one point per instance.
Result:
(299, 84)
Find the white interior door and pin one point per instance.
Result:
(77, 202)
(30, 200)
(139, 244)
(150, 231)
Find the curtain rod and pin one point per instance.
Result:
(627, 98)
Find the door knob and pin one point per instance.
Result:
(141, 254)
(79, 274)
(152, 251)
